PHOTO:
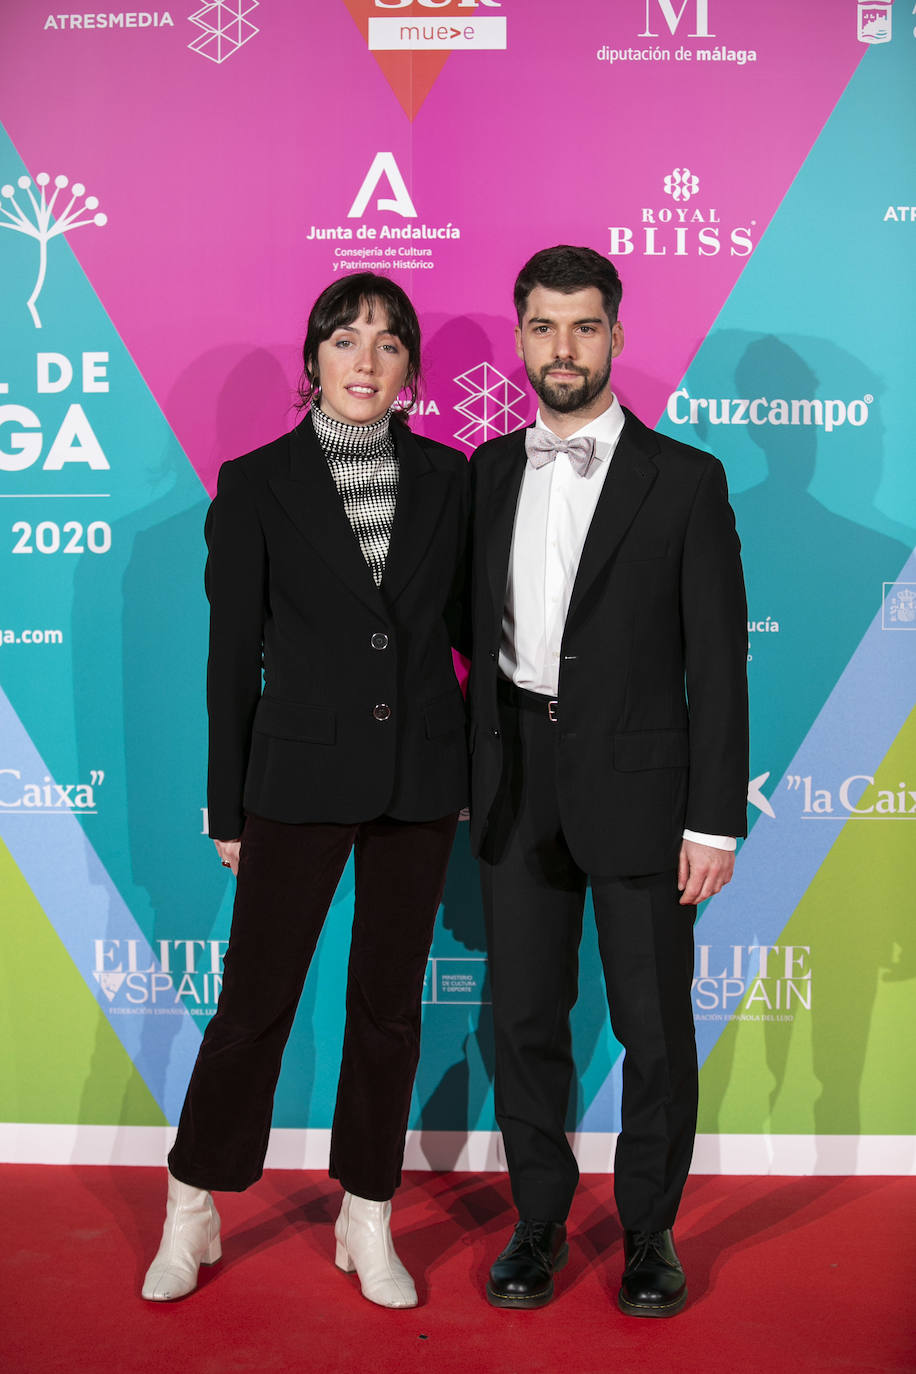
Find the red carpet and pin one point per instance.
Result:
(784, 1275)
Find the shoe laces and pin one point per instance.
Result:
(643, 1242)
(532, 1233)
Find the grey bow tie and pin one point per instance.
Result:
(542, 447)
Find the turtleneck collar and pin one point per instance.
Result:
(358, 441)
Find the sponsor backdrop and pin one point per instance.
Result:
(176, 186)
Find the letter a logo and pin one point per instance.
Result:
(383, 165)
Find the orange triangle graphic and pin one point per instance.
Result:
(411, 75)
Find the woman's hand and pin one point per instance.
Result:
(229, 851)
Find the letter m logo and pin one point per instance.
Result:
(673, 18)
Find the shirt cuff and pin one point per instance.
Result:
(714, 841)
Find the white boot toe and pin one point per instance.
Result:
(190, 1238)
(364, 1244)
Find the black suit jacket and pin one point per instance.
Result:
(289, 588)
(653, 673)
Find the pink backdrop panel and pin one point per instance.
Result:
(217, 177)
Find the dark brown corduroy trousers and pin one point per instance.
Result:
(287, 878)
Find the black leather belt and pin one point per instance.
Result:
(523, 700)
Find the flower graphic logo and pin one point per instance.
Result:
(681, 184)
(40, 227)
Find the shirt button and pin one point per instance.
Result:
(379, 641)
(381, 712)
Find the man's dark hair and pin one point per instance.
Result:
(339, 305)
(569, 269)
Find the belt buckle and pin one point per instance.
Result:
(552, 711)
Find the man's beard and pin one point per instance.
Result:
(565, 398)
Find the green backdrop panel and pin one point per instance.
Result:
(836, 1068)
(63, 1061)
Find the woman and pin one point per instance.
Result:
(336, 567)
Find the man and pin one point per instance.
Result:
(609, 746)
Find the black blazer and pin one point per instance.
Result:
(361, 713)
(652, 729)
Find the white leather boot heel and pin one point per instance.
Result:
(342, 1258)
(190, 1238)
(364, 1244)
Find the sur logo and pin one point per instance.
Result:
(411, 70)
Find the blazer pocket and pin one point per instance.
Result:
(650, 749)
(294, 720)
(444, 715)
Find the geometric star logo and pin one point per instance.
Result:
(224, 26)
(489, 405)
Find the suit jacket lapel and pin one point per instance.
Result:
(502, 500)
(311, 500)
(628, 482)
(422, 490)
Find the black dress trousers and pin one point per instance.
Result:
(286, 882)
(534, 895)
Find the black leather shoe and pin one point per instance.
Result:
(523, 1274)
(653, 1283)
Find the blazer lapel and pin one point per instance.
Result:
(311, 500)
(501, 504)
(422, 490)
(628, 483)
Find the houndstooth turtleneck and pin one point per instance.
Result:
(363, 462)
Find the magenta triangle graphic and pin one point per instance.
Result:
(228, 185)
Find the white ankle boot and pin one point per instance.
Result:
(190, 1238)
(364, 1244)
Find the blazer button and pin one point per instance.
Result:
(379, 641)
(493, 654)
(495, 733)
(381, 712)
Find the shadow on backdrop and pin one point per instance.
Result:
(151, 584)
(816, 551)
(454, 1092)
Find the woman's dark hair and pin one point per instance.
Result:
(339, 305)
(568, 269)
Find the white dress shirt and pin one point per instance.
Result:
(552, 519)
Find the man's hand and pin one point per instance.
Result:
(229, 850)
(702, 871)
